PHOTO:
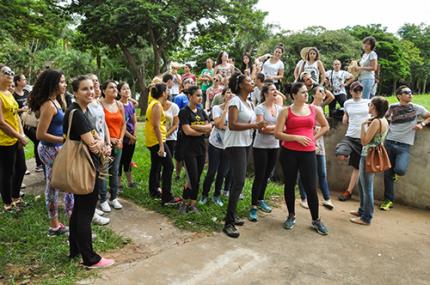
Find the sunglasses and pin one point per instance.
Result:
(406, 92)
(198, 95)
(7, 71)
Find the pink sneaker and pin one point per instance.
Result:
(104, 262)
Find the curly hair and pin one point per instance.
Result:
(46, 85)
(235, 81)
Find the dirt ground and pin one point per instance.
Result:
(393, 250)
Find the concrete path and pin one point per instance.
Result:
(393, 250)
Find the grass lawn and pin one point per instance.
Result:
(29, 256)
(210, 217)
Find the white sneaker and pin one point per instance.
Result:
(304, 204)
(99, 212)
(105, 207)
(115, 204)
(328, 204)
(99, 220)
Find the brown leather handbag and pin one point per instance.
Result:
(377, 159)
(73, 170)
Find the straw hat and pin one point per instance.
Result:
(304, 52)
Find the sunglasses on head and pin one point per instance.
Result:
(8, 71)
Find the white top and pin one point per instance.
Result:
(175, 88)
(358, 112)
(216, 137)
(266, 140)
(96, 116)
(365, 62)
(272, 69)
(246, 116)
(170, 114)
(337, 79)
(256, 96)
(312, 69)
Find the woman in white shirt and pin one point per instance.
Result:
(237, 141)
(368, 66)
(218, 163)
(265, 149)
(312, 65)
(272, 66)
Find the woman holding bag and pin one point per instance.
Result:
(373, 134)
(81, 129)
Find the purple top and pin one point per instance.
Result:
(129, 112)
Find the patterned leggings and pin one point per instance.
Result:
(47, 155)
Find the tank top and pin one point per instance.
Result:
(114, 121)
(301, 126)
(56, 126)
(312, 69)
(10, 116)
(377, 140)
(150, 136)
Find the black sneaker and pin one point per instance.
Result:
(183, 208)
(172, 202)
(156, 195)
(231, 231)
(238, 221)
(319, 227)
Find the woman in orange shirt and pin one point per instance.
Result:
(114, 115)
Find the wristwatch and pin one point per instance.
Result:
(423, 123)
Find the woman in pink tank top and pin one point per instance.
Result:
(295, 130)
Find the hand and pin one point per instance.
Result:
(23, 140)
(161, 152)
(114, 141)
(418, 126)
(304, 141)
(119, 144)
(107, 150)
(133, 140)
(260, 125)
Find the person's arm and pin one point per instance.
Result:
(268, 130)
(219, 121)
(174, 126)
(7, 129)
(322, 71)
(262, 58)
(322, 121)
(204, 129)
(95, 146)
(329, 97)
(156, 121)
(123, 128)
(297, 71)
(373, 66)
(134, 102)
(47, 112)
(282, 136)
(350, 78)
(369, 132)
(234, 125)
(345, 118)
(425, 122)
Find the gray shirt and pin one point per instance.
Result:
(96, 116)
(403, 121)
(266, 140)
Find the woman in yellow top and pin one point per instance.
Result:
(11, 138)
(155, 136)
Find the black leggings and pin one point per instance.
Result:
(218, 165)
(172, 147)
(264, 163)
(80, 240)
(30, 132)
(126, 157)
(8, 156)
(341, 98)
(194, 166)
(156, 163)
(292, 162)
(19, 171)
(238, 157)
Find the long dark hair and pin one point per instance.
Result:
(381, 106)
(245, 66)
(235, 81)
(158, 89)
(219, 58)
(293, 89)
(46, 85)
(105, 85)
(265, 90)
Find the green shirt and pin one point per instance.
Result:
(207, 83)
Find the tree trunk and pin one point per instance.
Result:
(138, 73)
(424, 84)
(157, 52)
(394, 86)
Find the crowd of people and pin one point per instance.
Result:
(220, 116)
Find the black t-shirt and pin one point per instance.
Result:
(21, 100)
(193, 146)
(80, 125)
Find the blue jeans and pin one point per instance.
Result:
(399, 158)
(322, 179)
(367, 87)
(365, 188)
(113, 176)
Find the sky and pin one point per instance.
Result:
(336, 14)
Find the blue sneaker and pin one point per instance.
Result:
(263, 206)
(203, 200)
(217, 201)
(319, 227)
(289, 223)
(253, 217)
